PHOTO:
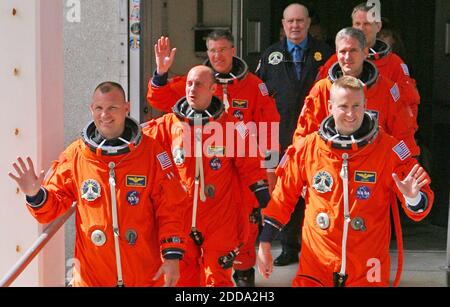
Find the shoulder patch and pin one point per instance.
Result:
(395, 92)
(405, 69)
(164, 160)
(284, 160)
(275, 58)
(402, 150)
(263, 89)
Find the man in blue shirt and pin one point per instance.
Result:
(289, 69)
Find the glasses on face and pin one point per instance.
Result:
(218, 51)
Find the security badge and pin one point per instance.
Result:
(322, 182)
(90, 190)
(179, 156)
(318, 56)
(133, 198)
(275, 58)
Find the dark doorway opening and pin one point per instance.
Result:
(418, 23)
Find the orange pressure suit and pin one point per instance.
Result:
(321, 162)
(148, 196)
(391, 66)
(218, 214)
(249, 101)
(383, 100)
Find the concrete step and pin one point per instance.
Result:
(420, 269)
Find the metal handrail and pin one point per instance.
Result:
(38, 245)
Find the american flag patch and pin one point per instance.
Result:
(395, 92)
(284, 160)
(263, 89)
(402, 150)
(164, 160)
(405, 69)
(242, 129)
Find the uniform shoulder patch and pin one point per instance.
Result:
(275, 58)
(402, 150)
(405, 69)
(395, 92)
(290, 151)
(263, 89)
(280, 168)
(164, 160)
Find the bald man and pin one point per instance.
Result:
(214, 219)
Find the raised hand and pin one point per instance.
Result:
(29, 183)
(411, 185)
(164, 56)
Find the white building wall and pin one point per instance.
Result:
(31, 95)
(46, 110)
(95, 50)
(93, 53)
